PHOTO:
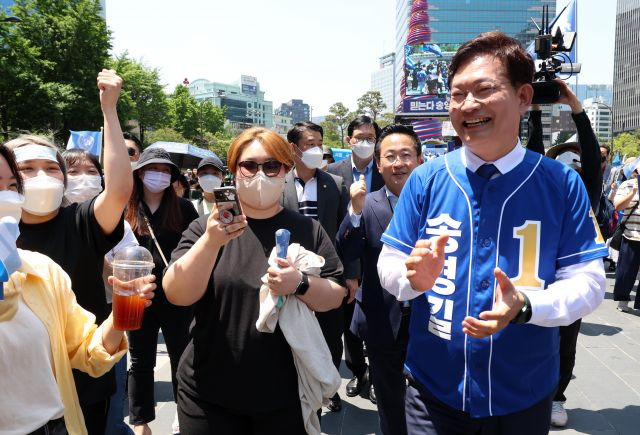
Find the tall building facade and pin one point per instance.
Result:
(452, 22)
(245, 104)
(599, 114)
(626, 67)
(297, 110)
(382, 80)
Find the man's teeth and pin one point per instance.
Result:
(478, 121)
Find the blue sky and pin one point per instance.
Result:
(320, 51)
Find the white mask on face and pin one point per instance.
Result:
(260, 192)
(11, 204)
(83, 187)
(312, 158)
(209, 182)
(156, 181)
(363, 149)
(42, 195)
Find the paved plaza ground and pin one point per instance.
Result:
(603, 398)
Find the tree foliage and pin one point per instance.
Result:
(340, 117)
(386, 119)
(627, 144)
(165, 134)
(142, 98)
(194, 119)
(48, 66)
(372, 104)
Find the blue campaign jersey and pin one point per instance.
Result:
(530, 222)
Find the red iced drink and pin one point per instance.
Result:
(130, 266)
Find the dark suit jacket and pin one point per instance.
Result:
(377, 314)
(333, 200)
(344, 169)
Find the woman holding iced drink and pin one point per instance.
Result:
(43, 331)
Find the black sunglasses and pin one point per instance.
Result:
(271, 168)
(131, 152)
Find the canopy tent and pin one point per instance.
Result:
(182, 154)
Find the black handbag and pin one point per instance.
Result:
(616, 238)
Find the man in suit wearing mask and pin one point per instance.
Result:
(321, 196)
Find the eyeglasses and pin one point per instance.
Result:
(131, 152)
(403, 157)
(479, 94)
(270, 168)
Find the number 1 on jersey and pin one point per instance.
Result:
(529, 236)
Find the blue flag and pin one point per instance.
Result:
(567, 21)
(616, 160)
(90, 141)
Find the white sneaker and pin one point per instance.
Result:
(559, 416)
(623, 306)
(175, 426)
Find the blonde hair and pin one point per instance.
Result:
(272, 142)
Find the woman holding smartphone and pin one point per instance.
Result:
(232, 378)
(158, 217)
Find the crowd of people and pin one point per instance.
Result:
(454, 287)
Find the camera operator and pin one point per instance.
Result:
(591, 175)
(590, 160)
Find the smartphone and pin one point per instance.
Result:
(224, 195)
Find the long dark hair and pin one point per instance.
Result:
(13, 166)
(171, 219)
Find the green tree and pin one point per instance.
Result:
(386, 119)
(164, 134)
(331, 135)
(48, 66)
(627, 144)
(142, 97)
(339, 116)
(563, 136)
(192, 118)
(371, 104)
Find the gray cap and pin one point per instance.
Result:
(211, 161)
(157, 155)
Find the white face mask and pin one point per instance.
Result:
(363, 149)
(42, 195)
(209, 182)
(260, 192)
(11, 204)
(81, 188)
(155, 181)
(312, 158)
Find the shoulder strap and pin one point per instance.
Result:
(153, 236)
(626, 218)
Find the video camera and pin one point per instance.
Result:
(550, 49)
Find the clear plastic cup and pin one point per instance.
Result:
(130, 265)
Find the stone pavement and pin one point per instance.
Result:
(603, 398)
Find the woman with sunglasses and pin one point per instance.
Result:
(158, 217)
(232, 378)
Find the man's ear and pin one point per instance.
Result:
(525, 95)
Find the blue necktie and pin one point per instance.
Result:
(487, 171)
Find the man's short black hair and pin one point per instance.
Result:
(359, 122)
(295, 134)
(135, 140)
(398, 129)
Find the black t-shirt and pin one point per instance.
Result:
(228, 362)
(167, 239)
(75, 241)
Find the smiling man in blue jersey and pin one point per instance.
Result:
(496, 247)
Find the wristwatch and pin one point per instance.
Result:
(303, 285)
(524, 315)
